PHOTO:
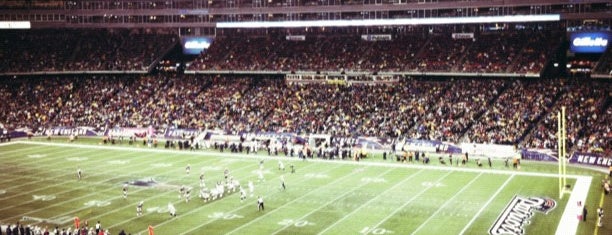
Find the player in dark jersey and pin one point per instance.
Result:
(125, 191)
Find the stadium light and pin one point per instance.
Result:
(390, 22)
(15, 25)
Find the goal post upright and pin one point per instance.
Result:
(564, 141)
(559, 155)
(561, 151)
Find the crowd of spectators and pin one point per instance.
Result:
(461, 103)
(457, 110)
(514, 113)
(50, 50)
(585, 104)
(32, 103)
(491, 52)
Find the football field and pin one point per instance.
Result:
(39, 186)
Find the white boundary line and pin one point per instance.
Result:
(242, 156)
(567, 223)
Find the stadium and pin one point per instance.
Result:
(344, 117)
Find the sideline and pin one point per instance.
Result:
(346, 162)
(601, 202)
(567, 223)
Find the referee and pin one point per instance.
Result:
(260, 204)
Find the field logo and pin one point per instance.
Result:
(518, 214)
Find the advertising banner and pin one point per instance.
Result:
(127, 132)
(376, 37)
(67, 130)
(593, 159)
(462, 35)
(195, 45)
(431, 146)
(589, 42)
(181, 133)
(539, 155)
(295, 38)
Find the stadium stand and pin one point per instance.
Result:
(52, 50)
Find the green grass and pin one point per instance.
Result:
(321, 196)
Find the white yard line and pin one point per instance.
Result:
(362, 205)
(569, 222)
(86, 195)
(409, 201)
(486, 204)
(8, 143)
(297, 199)
(168, 192)
(446, 203)
(45, 169)
(64, 176)
(315, 210)
(197, 209)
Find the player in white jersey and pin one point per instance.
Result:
(181, 191)
(79, 173)
(187, 194)
(260, 204)
(260, 175)
(281, 166)
(188, 169)
(125, 191)
(202, 184)
(171, 209)
(242, 195)
(261, 166)
(251, 188)
(139, 208)
(226, 174)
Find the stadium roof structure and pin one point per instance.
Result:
(209, 13)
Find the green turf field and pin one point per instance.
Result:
(38, 185)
